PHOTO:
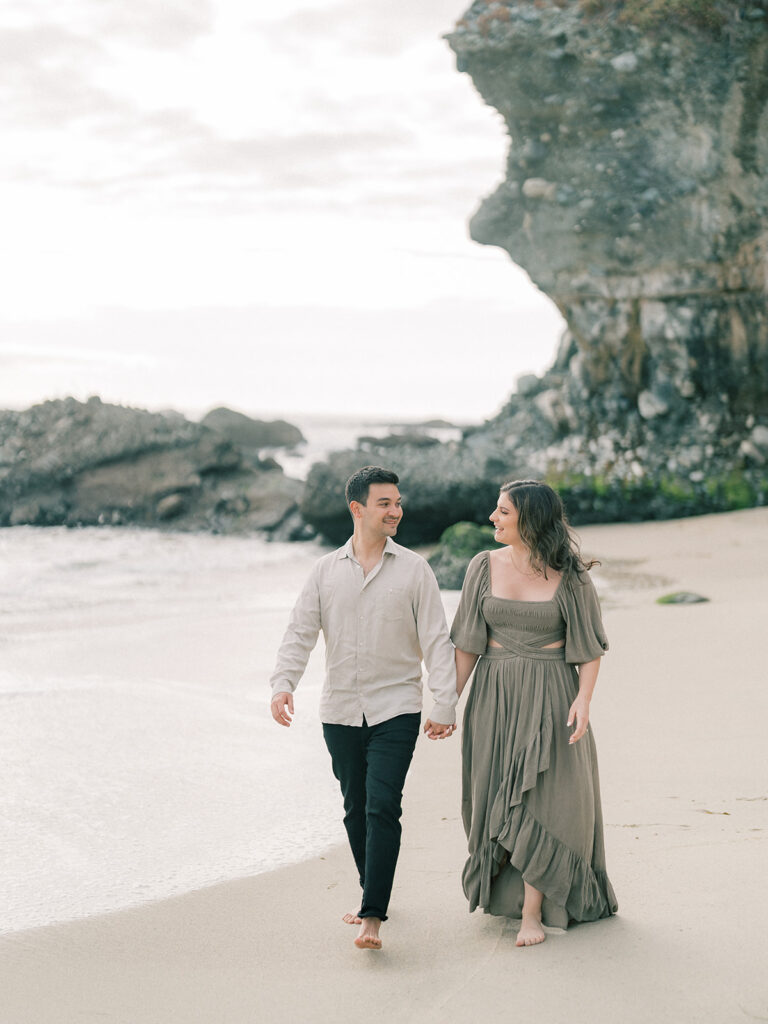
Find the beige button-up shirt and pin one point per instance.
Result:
(377, 629)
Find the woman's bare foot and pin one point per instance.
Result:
(352, 919)
(531, 932)
(368, 937)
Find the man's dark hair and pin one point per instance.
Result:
(359, 484)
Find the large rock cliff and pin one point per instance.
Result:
(636, 197)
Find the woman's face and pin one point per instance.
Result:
(504, 519)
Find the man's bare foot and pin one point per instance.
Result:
(368, 937)
(531, 932)
(352, 919)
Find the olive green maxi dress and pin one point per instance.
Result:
(530, 800)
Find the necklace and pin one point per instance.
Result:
(523, 572)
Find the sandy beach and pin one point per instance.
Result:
(679, 718)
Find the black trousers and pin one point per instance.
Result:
(371, 762)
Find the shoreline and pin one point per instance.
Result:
(677, 714)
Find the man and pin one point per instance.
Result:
(379, 608)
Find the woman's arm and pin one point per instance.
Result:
(579, 712)
(465, 663)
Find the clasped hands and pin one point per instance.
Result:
(282, 712)
(438, 731)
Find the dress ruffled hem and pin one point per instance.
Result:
(527, 764)
(566, 879)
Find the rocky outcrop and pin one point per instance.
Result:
(636, 197)
(250, 433)
(440, 485)
(412, 439)
(73, 463)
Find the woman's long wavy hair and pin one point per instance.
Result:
(544, 529)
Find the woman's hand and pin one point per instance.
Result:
(579, 714)
(438, 731)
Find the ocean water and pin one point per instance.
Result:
(139, 758)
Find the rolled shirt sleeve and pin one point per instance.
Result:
(436, 648)
(300, 638)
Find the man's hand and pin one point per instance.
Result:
(282, 708)
(437, 731)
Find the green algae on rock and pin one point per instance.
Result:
(458, 546)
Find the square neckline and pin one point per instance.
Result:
(518, 600)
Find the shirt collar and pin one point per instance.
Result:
(390, 548)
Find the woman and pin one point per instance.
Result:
(531, 797)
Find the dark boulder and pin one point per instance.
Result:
(440, 485)
(414, 440)
(250, 433)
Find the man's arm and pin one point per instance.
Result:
(437, 650)
(292, 657)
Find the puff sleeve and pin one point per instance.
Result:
(469, 631)
(585, 637)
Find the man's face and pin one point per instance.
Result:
(381, 514)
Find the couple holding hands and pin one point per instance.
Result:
(528, 625)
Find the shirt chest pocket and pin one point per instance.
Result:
(392, 604)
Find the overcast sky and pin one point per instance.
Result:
(261, 205)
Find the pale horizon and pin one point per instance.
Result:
(206, 205)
